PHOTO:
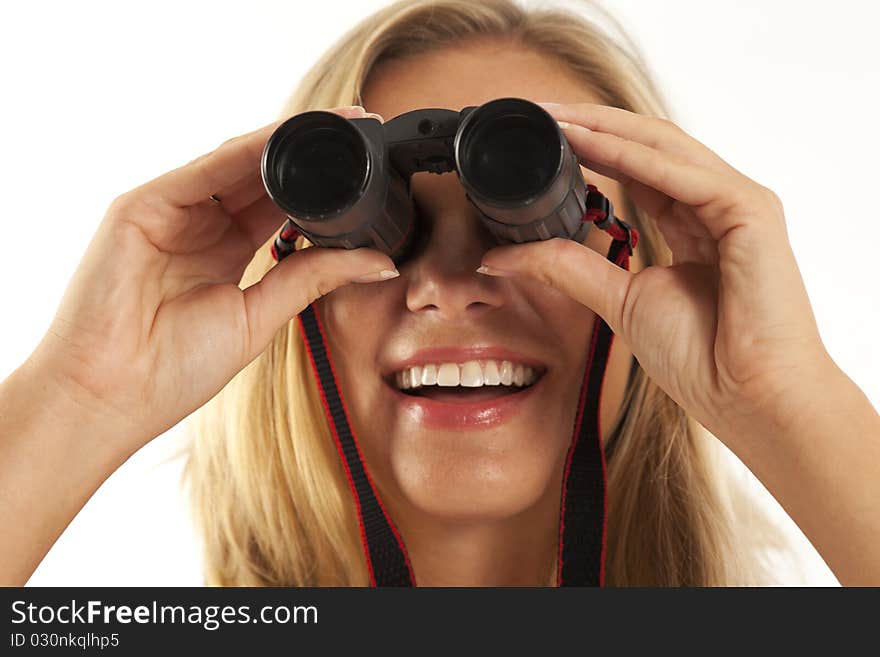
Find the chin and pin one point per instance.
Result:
(469, 477)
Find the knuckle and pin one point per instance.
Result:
(559, 250)
(742, 195)
(121, 203)
(317, 287)
(613, 152)
(323, 287)
(752, 197)
(558, 254)
(668, 125)
(226, 143)
(666, 173)
(772, 197)
(196, 160)
(776, 206)
(124, 205)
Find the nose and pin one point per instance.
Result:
(442, 277)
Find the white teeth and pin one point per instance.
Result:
(471, 374)
(429, 375)
(506, 373)
(448, 375)
(491, 376)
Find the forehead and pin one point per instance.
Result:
(470, 74)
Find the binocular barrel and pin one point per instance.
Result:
(346, 182)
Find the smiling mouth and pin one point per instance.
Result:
(472, 395)
(473, 381)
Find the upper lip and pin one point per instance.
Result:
(459, 354)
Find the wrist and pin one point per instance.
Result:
(44, 410)
(53, 457)
(818, 456)
(817, 399)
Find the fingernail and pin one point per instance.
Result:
(543, 104)
(375, 116)
(353, 107)
(574, 126)
(376, 276)
(491, 271)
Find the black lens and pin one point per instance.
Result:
(320, 166)
(509, 155)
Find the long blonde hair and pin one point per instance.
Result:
(267, 486)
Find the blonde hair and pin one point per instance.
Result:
(267, 486)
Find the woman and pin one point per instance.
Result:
(177, 299)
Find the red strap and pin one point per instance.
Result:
(285, 243)
(600, 212)
(386, 556)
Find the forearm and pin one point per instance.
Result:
(824, 469)
(52, 459)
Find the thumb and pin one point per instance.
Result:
(301, 278)
(577, 270)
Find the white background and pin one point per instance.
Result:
(101, 97)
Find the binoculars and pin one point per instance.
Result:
(346, 182)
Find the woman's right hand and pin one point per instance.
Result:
(153, 323)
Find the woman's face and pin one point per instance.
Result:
(466, 453)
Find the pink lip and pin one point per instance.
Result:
(452, 416)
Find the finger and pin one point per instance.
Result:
(688, 239)
(645, 197)
(242, 194)
(300, 279)
(216, 172)
(659, 133)
(258, 221)
(709, 192)
(659, 207)
(231, 250)
(577, 270)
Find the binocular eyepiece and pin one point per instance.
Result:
(346, 182)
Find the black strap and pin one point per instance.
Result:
(386, 555)
(583, 517)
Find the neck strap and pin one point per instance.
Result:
(583, 522)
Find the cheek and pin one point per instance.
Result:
(567, 323)
(568, 326)
(354, 322)
(337, 311)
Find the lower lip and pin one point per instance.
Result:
(457, 416)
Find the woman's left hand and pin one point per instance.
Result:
(727, 330)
